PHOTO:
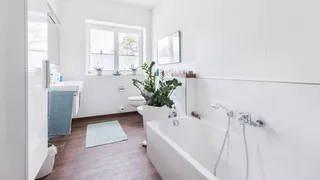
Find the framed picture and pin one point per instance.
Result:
(169, 49)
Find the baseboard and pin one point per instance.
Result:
(107, 115)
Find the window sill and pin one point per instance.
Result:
(125, 74)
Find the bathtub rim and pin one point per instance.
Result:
(155, 126)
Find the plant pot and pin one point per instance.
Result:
(99, 73)
(134, 73)
(152, 113)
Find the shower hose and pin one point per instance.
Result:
(224, 143)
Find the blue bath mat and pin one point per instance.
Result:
(104, 133)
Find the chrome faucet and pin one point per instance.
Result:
(246, 118)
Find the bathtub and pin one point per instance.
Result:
(183, 150)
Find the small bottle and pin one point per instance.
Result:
(162, 73)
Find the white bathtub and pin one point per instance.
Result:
(183, 152)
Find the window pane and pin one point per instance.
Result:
(125, 62)
(129, 44)
(37, 36)
(106, 61)
(128, 51)
(102, 41)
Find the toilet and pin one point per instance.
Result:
(137, 102)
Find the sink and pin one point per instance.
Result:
(67, 86)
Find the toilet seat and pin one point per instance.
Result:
(136, 101)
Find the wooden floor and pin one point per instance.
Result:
(125, 160)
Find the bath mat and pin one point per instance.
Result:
(104, 133)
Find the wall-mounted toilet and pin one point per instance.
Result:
(137, 102)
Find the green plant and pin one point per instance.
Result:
(156, 96)
(97, 67)
(132, 68)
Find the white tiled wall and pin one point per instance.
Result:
(288, 148)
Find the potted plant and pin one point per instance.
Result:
(98, 69)
(134, 69)
(157, 98)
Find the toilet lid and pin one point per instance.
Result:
(136, 98)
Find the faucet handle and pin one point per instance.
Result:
(245, 117)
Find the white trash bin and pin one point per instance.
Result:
(48, 163)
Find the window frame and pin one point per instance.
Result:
(116, 29)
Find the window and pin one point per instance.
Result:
(114, 47)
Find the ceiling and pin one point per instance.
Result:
(142, 3)
(149, 4)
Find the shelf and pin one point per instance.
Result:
(186, 75)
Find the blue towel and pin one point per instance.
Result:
(60, 113)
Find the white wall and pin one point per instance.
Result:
(55, 6)
(36, 7)
(288, 148)
(273, 40)
(266, 40)
(100, 94)
(3, 58)
(13, 90)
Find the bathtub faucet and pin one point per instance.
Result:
(246, 118)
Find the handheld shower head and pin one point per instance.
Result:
(218, 106)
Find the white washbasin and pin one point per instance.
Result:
(67, 86)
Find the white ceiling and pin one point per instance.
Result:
(142, 3)
(150, 4)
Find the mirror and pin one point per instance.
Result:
(169, 49)
(53, 39)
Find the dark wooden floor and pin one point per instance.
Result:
(125, 160)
